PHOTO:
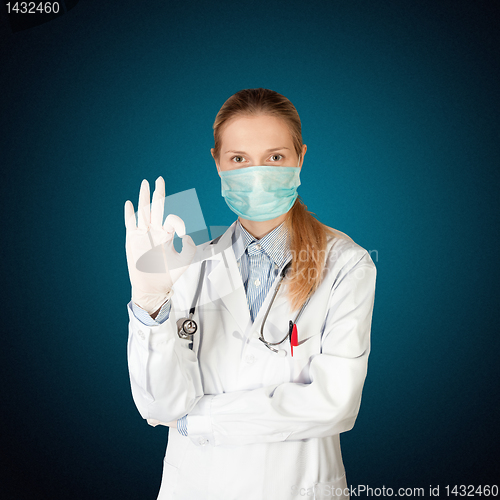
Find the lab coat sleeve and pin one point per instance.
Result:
(164, 373)
(327, 405)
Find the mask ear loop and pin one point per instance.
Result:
(299, 161)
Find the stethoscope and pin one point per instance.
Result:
(292, 334)
(187, 327)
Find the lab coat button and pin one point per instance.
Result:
(141, 334)
(202, 441)
(250, 358)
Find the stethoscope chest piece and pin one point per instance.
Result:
(186, 328)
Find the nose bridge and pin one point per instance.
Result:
(259, 180)
(255, 160)
(258, 157)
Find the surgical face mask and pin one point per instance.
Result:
(260, 193)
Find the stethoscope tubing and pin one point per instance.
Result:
(261, 338)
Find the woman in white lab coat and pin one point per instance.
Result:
(249, 417)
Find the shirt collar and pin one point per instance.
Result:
(274, 244)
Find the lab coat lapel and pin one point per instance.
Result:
(225, 278)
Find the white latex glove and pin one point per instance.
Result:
(153, 263)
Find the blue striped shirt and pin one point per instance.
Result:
(259, 263)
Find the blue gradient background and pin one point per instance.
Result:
(400, 104)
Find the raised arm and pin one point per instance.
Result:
(164, 372)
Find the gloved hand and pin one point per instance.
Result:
(154, 423)
(153, 263)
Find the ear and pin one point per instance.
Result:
(304, 149)
(212, 153)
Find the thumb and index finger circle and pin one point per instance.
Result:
(173, 223)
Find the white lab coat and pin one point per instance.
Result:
(260, 426)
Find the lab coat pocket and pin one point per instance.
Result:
(168, 481)
(177, 447)
(307, 348)
(300, 362)
(332, 490)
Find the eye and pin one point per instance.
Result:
(237, 161)
(281, 157)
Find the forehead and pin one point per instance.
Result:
(256, 131)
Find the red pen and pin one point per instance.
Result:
(293, 335)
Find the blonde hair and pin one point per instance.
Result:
(308, 235)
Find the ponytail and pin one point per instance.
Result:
(308, 248)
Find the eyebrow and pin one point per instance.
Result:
(267, 151)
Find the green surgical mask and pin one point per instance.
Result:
(260, 193)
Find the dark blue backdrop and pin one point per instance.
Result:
(399, 102)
